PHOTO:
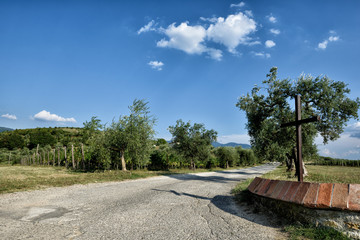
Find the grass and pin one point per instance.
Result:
(22, 178)
(330, 174)
(321, 174)
(299, 232)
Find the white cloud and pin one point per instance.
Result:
(275, 31)
(240, 4)
(261, 54)
(213, 19)
(334, 38)
(232, 31)
(47, 116)
(156, 65)
(344, 147)
(272, 19)
(237, 138)
(215, 54)
(249, 13)
(184, 37)
(270, 44)
(323, 45)
(148, 27)
(9, 116)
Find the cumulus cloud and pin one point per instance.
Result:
(275, 31)
(270, 44)
(240, 4)
(215, 54)
(323, 45)
(347, 146)
(47, 116)
(156, 65)
(9, 116)
(232, 31)
(184, 37)
(261, 54)
(148, 27)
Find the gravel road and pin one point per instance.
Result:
(188, 206)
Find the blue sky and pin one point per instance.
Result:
(62, 62)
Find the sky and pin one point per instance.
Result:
(62, 62)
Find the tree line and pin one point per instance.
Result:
(127, 143)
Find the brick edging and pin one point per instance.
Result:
(314, 195)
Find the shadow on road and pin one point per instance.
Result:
(218, 179)
(227, 204)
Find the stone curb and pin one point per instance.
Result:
(334, 196)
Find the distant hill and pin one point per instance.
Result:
(231, 144)
(4, 129)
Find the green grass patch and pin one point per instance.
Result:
(321, 174)
(298, 232)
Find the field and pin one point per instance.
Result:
(22, 178)
(322, 174)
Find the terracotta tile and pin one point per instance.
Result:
(324, 196)
(354, 197)
(256, 189)
(271, 187)
(340, 196)
(291, 191)
(284, 190)
(277, 189)
(264, 187)
(311, 195)
(254, 184)
(301, 192)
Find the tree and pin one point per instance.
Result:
(193, 142)
(269, 106)
(227, 156)
(132, 135)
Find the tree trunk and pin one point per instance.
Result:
(9, 158)
(54, 158)
(123, 163)
(83, 156)
(58, 156)
(66, 162)
(304, 170)
(48, 162)
(37, 153)
(72, 156)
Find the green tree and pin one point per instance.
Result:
(269, 106)
(227, 156)
(193, 142)
(131, 136)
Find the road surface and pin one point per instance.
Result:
(188, 206)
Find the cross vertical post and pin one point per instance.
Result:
(299, 138)
(297, 123)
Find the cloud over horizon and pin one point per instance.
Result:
(48, 117)
(9, 116)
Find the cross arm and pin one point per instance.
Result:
(308, 120)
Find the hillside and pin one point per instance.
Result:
(4, 129)
(231, 144)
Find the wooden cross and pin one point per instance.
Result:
(298, 121)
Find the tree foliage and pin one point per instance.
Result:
(193, 142)
(268, 106)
